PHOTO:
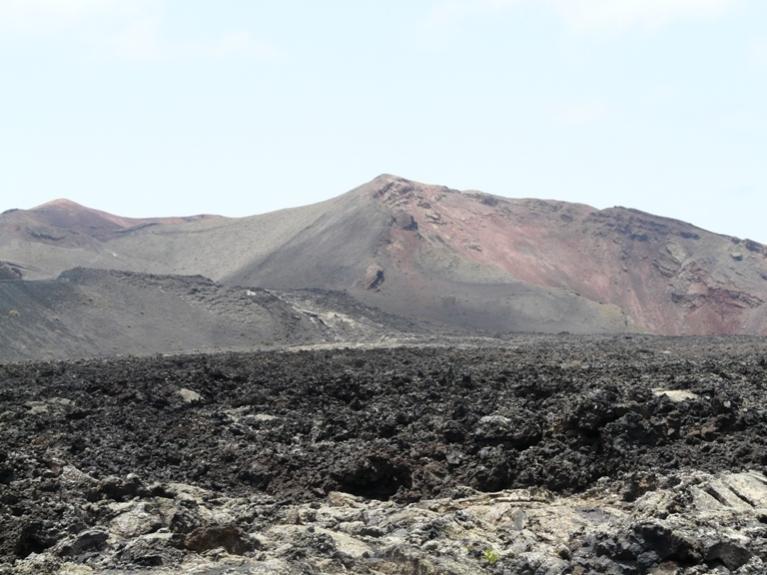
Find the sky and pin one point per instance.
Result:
(238, 107)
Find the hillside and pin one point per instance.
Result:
(462, 259)
(94, 313)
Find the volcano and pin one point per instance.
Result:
(461, 259)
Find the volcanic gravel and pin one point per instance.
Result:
(402, 423)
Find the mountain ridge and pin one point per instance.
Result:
(464, 259)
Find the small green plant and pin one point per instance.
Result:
(490, 556)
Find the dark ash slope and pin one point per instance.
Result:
(94, 313)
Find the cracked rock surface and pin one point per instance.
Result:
(544, 456)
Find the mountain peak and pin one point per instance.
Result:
(393, 190)
(385, 178)
(61, 203)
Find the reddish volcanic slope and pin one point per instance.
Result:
(669, 277)
(465, 259)
(61, 218)
(65, 213)
(472, 259)
(61, 234)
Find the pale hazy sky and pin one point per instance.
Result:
(159, 107)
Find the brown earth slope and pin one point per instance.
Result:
(62, 234)
(427, 252)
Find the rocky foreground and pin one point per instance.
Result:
(540, 456)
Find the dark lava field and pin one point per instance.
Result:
(393, 426)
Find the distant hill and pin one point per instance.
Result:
(465, 260)
(87, 313)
